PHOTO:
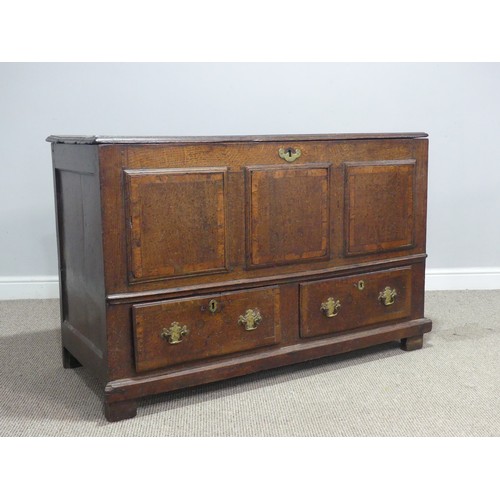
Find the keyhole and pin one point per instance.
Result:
(360, 284)
(289, 153)
(212, 306)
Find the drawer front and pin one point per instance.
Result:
(339, 304)
(175, 331)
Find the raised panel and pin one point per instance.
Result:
(176, 221)
(379, 206)
(288, 217)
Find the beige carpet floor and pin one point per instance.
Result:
(451, 387)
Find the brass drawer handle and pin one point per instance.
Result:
(330, 308)
(388, 296)
(250, 319)
(175, 333)
(289, 154)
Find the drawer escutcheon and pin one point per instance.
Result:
(360, 285)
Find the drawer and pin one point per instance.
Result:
(175, 331)
(339, 304)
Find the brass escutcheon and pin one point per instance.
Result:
(175, 333)
(289, 154)
(388, 296)
(250, 319)
(360, 285)
(213, 306)
(330, 308)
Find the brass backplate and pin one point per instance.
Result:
(289, 154)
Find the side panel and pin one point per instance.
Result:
(81, 272)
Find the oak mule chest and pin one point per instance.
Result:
(187, 260)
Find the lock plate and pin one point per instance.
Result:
(289, 154)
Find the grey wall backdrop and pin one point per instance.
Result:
(457, 104)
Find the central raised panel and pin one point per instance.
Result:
(288, 214)
(176, 222)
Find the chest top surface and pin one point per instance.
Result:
(106, 139)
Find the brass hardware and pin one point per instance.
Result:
(213, 306)
(289, 154)
(387, 296)
(360, 285)
(250, 319)
(330, 308)
(175, 333)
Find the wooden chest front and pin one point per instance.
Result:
(188, 260)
